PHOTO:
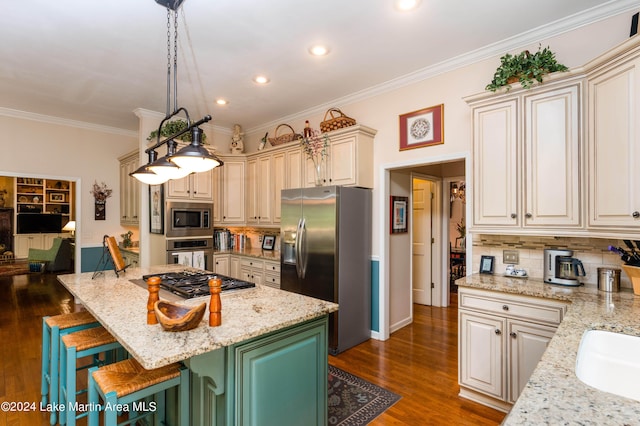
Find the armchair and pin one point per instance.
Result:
(58, 257)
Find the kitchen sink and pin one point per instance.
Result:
(610, 362)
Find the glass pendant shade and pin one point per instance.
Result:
(195, 157)
(145, 175)
(165, 167)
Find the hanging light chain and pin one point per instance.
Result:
(168, 60)
(175, 60)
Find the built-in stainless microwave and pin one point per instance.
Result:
(189, 219)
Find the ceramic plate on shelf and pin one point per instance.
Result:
(36, 199)
(22, 199)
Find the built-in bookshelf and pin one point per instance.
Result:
(35, 195)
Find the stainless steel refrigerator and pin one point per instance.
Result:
(325, 253)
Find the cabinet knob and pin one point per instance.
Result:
(505, 307)
(513, 334)
(513, 216)
(528, 215)
(636, 214)
(498, 332)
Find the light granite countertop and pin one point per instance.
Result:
(271, 255)
(554, 395)
(121, 307)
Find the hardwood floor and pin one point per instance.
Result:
(419, 362)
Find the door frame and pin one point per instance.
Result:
(383, 195)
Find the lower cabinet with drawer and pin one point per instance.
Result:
(272, 274)
(252, 270)
(501, 340)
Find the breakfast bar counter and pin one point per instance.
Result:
(554, 394)
(285, 332)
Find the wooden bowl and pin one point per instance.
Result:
(174, 317)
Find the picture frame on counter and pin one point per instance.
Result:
(399, 215)
(421, 128)
(268, 242)
(486, 264)
(156, 209)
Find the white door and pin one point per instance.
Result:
(421, 241)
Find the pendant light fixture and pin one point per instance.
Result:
(193, 158)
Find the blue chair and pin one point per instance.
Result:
(127, 381)
(84, 343)
(53, 327)
(57, 258)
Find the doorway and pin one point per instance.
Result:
(395, 291)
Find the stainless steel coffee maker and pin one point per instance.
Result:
(560, 267)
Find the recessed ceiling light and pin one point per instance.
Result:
(318, 50)
(406, 5)
(222, 101)
(261, 79)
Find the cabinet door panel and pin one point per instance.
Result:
(551, 158)
(482, 361)
(614, 153)
(527, 343)
(495, 192)
(233, 192)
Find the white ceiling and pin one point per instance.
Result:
(97, 61)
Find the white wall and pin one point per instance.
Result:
(83, 154)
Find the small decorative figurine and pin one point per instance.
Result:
(153, 285)
(237, 143)
(215, 304)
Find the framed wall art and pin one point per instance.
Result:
(420, 128)
(399, 214)
(156, 209)
(56, 197)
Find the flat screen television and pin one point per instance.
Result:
(37, 223)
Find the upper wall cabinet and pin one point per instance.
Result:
(350, 159)
(196, 186)
(526, 159)
(129, 190)
(614, 143)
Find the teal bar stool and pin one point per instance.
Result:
(126, 382)
(91, 342)
(53, 327)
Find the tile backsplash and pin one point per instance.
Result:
(593, 252)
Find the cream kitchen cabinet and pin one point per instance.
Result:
(272, 273)
(221, 264)
(526, 159)
(349, 161)
(129, 190)
(260, 190)
(216, 189)
(233, 190)
(614, 141)
(196, 186)
(501, 339)
(130, 258)
(234, 266)
(252, 270)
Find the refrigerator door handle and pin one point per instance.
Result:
(297, 249)
(302, 249)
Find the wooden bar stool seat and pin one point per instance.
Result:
(127, 381)
(89, 342)
(53, 327)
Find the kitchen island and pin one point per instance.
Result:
(268, 359)
(554, 394)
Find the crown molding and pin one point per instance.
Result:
(25, 115)
(552, 29)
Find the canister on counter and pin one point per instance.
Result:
(609, 279)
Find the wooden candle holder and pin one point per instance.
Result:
(215, 304)
(153, 285)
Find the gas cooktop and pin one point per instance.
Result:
(188, 284)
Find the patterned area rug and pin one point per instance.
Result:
(354, 401)
(18, 267)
